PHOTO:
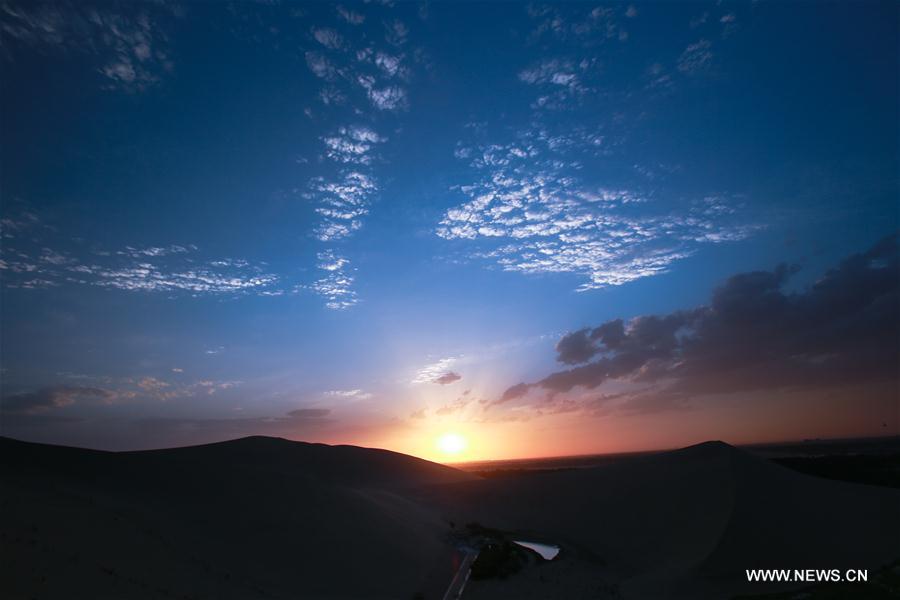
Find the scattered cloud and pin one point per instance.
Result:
(60, 396)
(455, 407)
(350, 16)
(176, 269)
(320, 66)
(396, 32)
(133, 50)
(430, 373)
(336, 289)
(352, 145)
(328, 37)
(447, 378)
(359, 73)
(357, 394)
(576, 22)
(341, 203)
(105, 391)
(530, 213)
(555, 72)
(695, 57)
(351, 67)
(391, 97)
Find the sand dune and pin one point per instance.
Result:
(258, 517)
(686, 524)
(269, 518)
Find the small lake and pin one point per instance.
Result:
(547, 551)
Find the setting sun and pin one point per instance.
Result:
(452, 443)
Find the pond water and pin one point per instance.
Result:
(547, 551)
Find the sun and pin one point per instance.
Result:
(452, 443)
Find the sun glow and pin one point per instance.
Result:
(452, 443)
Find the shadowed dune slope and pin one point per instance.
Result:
(686, 524)
(252, 518)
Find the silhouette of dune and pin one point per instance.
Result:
(271, 518)
(256, 517)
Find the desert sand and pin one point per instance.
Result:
(252, 518)
(687, 523)
(270, 518)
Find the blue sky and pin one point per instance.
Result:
(295, 219)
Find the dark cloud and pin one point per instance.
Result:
(576, 347)
(753, 335)
(448, 377)
(582, 345)
(118, 431)
(516, 391)
(48, 398)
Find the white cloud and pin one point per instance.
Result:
(552, 71)
(352, 17)
(337, 290)
(699, 20)
(328, 37)
(388, 63)
(527, 213)
(148, 277)
(572, 22)
(357, 394)
(352, 144)
(133, 50)
(341, 203)
(335, 285)
(319, 65)
(173, 269)
(329, 261)
(430, 372)
(397, 32)
(369, 72)
(388, 98)
(695, 57)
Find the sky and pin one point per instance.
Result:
(545, 229)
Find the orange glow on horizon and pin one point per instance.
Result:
(763, 418)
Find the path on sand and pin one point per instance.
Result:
(454, 592)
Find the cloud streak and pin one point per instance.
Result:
(173, 269)
(54, 397)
